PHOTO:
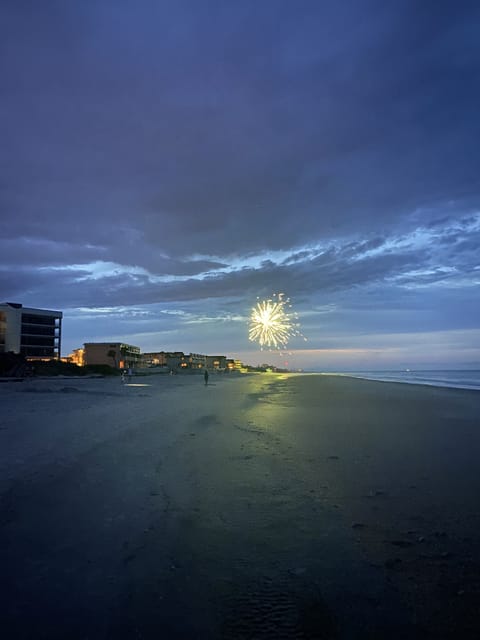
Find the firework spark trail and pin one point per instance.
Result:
(272, 324)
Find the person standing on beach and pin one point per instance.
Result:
(205, 376)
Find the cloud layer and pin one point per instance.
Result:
(187, 158)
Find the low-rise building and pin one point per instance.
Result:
(240, 366)
(116, 354)
(179, 361)
(155, 359)
(77, 357)
(197, 361)
(216, 363)
(175, 360)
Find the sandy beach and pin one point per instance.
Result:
(259, 506)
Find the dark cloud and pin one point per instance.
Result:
(335, 269)
(175, 140)
(41, 252)
(268, 129)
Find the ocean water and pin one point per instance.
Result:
(457, 379)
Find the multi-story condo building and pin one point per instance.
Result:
(33, 333)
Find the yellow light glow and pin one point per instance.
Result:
(272, 324)
(130, 384)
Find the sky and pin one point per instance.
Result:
(164, 164)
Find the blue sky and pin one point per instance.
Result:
(163, 164)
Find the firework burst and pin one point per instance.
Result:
(272, 323)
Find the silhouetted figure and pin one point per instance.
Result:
(205, 376)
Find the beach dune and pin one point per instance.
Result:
(259, 506)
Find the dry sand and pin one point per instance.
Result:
(261, 506)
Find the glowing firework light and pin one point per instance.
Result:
(272, 323)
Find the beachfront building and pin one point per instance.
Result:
(172, 359)
(197, 361)
(77, 357)
(175, 360)
(216, 363)
(116, 354)
(155, 359)
(30, 332)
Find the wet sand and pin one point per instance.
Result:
(261, 506)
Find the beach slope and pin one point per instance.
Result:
(259, 506)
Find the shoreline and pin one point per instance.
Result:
(371, 376)
(398, 379)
